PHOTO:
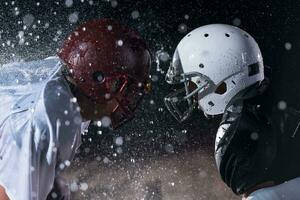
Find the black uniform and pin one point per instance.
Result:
(254, 146)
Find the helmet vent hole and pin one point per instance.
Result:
(98, 77)
(211, 103)
(206, 35)
(227, 35)
(247, 36)
(201, 65)
(221, 89)
(189, 35)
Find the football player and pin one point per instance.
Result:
(222, 72)
(101, 73)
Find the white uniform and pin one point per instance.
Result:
(289, 190)
(40, 127)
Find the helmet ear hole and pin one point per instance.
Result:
(221, 89)
(253, 69)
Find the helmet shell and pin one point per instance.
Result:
(226, 55)
(108, 60)
(107, 47)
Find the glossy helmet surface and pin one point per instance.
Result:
(108, 61)
(214, 63)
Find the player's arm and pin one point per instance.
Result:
(245, 149)
(3, 195)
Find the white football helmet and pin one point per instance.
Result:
(214, 62)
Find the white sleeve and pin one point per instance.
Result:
(28, 159)
(16, 168)
(40, 129)
(60, 123)
(64, 119)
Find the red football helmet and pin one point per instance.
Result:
(108, 61)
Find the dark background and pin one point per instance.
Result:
(154, 133)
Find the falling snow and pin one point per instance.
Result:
(119, 141)
(288, 46)
(182, 28)
(28, 20)
(83, 186)
(254, 136)
(135, 14)
(109, 27)
(161, 56)
(236, 22)
(69, 3)
(73, 17)
(282, 105)
(114, 3)
(106, 121)
(120, 42)
(74, 187)
(150, 157)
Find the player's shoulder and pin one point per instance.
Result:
(22, 63)
(57, 108)
(22, 73)
(20, 81)
(58, 99)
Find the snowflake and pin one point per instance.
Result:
(135, 14)
(69, 3)
(288, 46)
(73, 17)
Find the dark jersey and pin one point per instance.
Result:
(255, 145)
(245, 147)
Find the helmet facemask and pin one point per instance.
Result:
(128, 99)
(127, 92)
(182, 102)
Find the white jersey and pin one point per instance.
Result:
(40, 127)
